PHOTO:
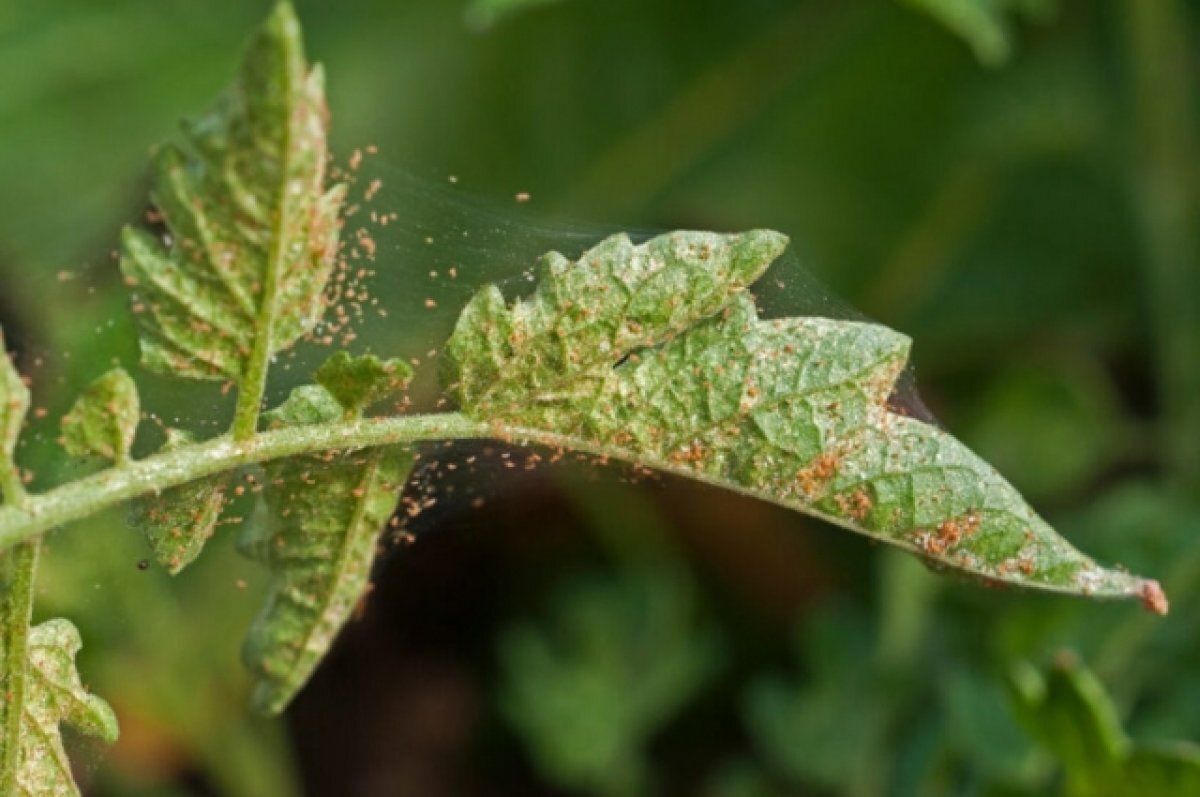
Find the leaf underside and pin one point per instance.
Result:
(253, 232)
(655, 354)
(54, 695)
(178, 522)
(104, 419)
(326, 515)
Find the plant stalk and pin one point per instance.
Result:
(93, 494)
(18, 573)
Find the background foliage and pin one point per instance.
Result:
(1019, 197)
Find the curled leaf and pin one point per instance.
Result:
(253, 230)
(104, 419)
(178, 522)
(326, 513)
(655, 354)
(55, 696)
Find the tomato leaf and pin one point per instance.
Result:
(54, 696)
(326, 513)
(104, 419)
(253, 230)
(655, 354)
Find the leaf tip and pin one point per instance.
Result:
(771, 241)
(1154, 598)
(757, 249)
(283, 20)
(268, 699)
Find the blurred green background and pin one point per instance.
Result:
(1011, 182)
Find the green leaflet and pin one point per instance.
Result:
(326, 514)
(178, 522)
(655, 354)
(1071, 715)
(14, 404)
(55, 695)
(253, 232)
(104, 419)
(358, 382)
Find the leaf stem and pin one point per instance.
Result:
(93, 494)
(18, 572)
(11, 488)
(254, 381)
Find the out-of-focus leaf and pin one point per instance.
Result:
(740, 779)
(178, 522)
(1071, 715)
(985, 24)
(54, 695)
(828, 730)
(253, 232)
(655, 354)
(104, 419)
(483, 14)
(616, 660)
(1052, 427)
(982, 727)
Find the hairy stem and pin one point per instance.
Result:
(109, 488)
(18, 571)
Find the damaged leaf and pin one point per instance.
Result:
(656, 354)
(178, 522)
(104, 419)
(253, 230)
(55, 696)
(326, 513)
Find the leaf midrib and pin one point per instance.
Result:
(342, 564)
(253, 382)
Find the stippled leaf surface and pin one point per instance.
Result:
(326, 513)
(656, 354)
(358, 382)
(14, 404)
(253, 231)
(104, 419)
(178, 522)
(55, 696)
(1069, 712)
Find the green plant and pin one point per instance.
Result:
(1071, 715)
(652, 353)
